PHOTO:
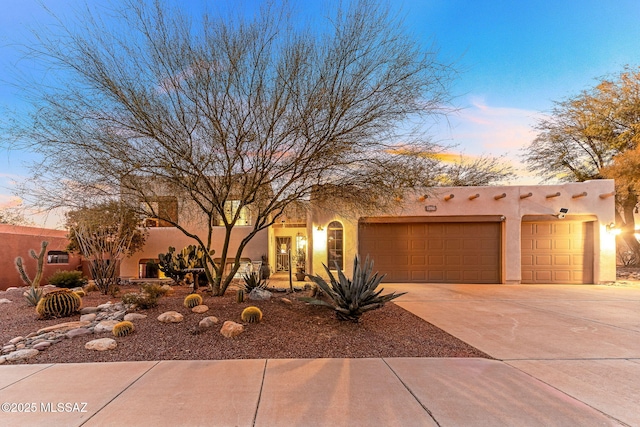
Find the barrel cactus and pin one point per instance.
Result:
(240, 296)
(251, 315)
(192, 300)
(62, 303)
(122, 329)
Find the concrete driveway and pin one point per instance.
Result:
(583, 340)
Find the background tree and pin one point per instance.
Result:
(14, 216)
(595, 135)
(104, 234)
(233, 111)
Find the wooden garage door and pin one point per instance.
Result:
(433, 252)
(557, 252)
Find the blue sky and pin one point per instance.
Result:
(515, 58)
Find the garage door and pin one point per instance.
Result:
(450, 252)
(557, 252)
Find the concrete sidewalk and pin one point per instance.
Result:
(570, 356)
(315, 392)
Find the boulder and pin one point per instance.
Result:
(101, 344)
(88, 310)
(200, 309)
(26, 353)
(16, 340)
(208, 322)
(4, 301)
(88, 317)
(171, 317)
(134, 316)
(258, 294)
(78, 332)
(286, 301)
(231, 329)
(41, 345)
(105, 326)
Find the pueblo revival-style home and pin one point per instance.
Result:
(499, 234)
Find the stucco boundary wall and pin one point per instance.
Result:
(585, 201)
(18, 241)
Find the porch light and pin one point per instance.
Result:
(611, 229)
(320, 228)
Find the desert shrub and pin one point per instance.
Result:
(192, 300)
(351, 298)
(90, 287)
(67, 279)
(60, 303)
(253, 281)
(33, 296)
(122, 329)
(147, 297)
(251, 315)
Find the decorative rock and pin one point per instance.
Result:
(258, 294)
(26, 353)
(88, 310)
(208, 322)
(20, 346)
(5, 301)
(171, 317)
(286, 301)
(12, 288)
(105, 326)
(200, 309)
(119, 315)
(168, 289)
(41, 345)
(16, 340)
(78, 332)
(88, 317)
(134, 316)
(101, 344)
(3, 359)
(231, 329)
(63, 327)
(8, 348)
(105, 306)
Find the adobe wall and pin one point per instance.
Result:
(18, 240)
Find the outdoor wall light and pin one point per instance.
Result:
(320, 228)
(611, 229)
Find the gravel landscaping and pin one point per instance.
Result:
(289, 329)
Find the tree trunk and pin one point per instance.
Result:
(627, 220)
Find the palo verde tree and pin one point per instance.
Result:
(595, 135)
(233, 111)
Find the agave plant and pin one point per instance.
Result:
(351, 298)
(252, 281)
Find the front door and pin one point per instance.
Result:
(283, 248)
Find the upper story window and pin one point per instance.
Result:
(57, 257)
(167, 208)
(230, 209)
(335, 245)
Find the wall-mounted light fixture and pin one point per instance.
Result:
(612, 229)
(320, 228)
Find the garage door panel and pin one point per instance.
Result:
(557, 252)
(436, 252)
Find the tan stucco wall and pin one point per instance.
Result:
(511, 207)
(18, 241)
(159, 240)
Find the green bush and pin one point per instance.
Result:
(67, 279)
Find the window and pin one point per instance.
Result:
(57, 257)
(230, 209)
(166, 207)
(335, 245)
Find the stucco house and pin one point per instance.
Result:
(498, 234)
